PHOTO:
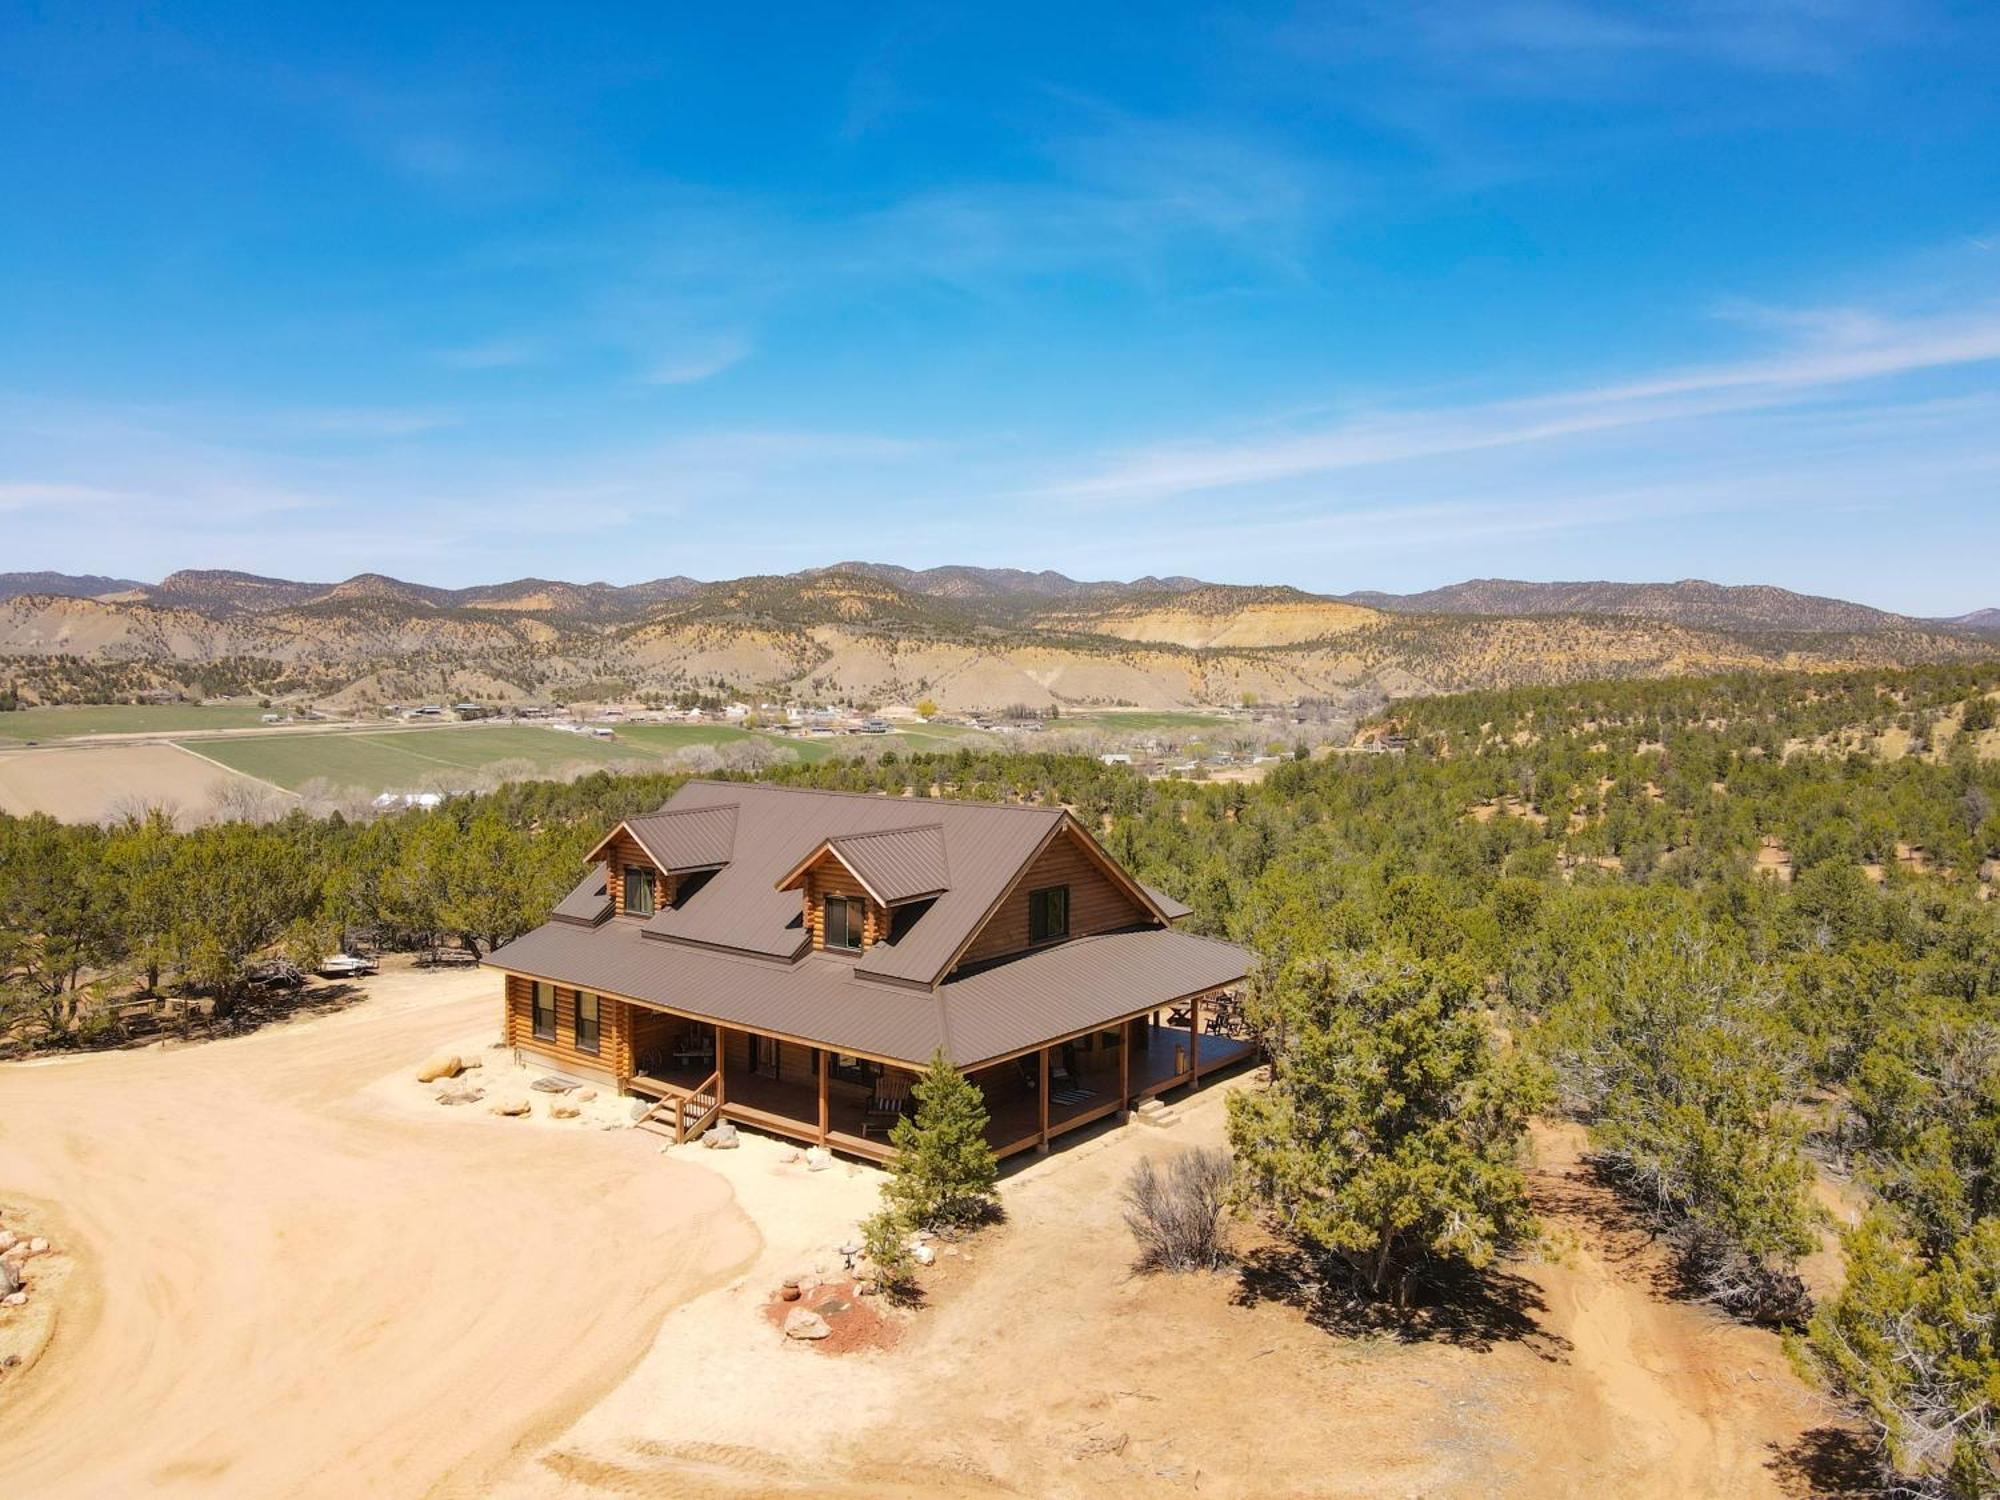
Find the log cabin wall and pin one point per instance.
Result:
(622, 851)
(1097, 903)
(797, 1063)
(612, 1061)
(829, 877)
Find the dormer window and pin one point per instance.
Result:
(841, 919)
(639, 891)
(1048, 914)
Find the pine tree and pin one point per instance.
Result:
(944, 1169)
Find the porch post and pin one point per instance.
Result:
(1125, 1066)
(822, 1096)
(1042, 1092)
(720, 1080)
(1194, 1043)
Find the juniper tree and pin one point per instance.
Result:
(944, 1170)
(1389, 1135)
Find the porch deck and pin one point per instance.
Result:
(1159, 1062)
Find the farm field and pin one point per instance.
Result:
(1140, 720)
(126, 718)
(89, 783)
(408, 759)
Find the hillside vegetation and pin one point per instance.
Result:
(967, 638)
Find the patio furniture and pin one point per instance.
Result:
(887, 1105)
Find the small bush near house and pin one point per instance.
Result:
(1175, 1212)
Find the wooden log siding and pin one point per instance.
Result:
(614, 1031)
(829, 877)
(795, 1062)
(622, 851)
(1097, 903)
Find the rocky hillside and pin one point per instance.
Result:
(970, 638)
(1689, 602)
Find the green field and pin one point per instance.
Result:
(409, 759)
(126, 718)
(1139, 721)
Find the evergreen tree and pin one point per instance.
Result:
(944, 1170)
(1389, 1136)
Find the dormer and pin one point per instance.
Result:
(860, 889)
(652, 862)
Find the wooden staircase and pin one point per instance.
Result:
(681, 1112)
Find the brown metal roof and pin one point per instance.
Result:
(589, 903)
(1085, 983)
(1173, 910)
(897, 864)
(1002, 1008)
(736, 949)
(687, 838)
(985, 845)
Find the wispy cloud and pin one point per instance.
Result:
(494, 354)
(29, 494)
(1872, 350)
(698, 360)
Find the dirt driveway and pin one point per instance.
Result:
(305, 1279)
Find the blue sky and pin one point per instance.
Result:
(1352, 296)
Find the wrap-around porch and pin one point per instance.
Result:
(701, 1072)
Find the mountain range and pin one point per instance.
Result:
(874, 632)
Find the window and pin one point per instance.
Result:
(545, 1011)
(639, 890)
(842, 921)
(1048, 914)
(854, 1069)
(586, 1023)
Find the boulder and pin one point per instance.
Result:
(38, 1246)
(513, 1108)
(467, 1060)
(923, 1255)
(586, 1095)
(8, 1240)
(804, 1323)
(721, 1137)
(439, 1065)
(10, 1280)
(818, 1159)
(561, 1111)
(640, 1109)
(16, 1299)
(459, 1095)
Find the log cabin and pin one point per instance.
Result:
(788, 959)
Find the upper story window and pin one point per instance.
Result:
(545, 1011)
(639, 890)
(586, 1023)
(1048, 914)
(842, 918)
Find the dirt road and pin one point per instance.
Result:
(305, 1279)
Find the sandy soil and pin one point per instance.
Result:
(1042, 1367)
(88, 783)
(299, 1276)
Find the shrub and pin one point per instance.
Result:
(885, 1240)
(1176, 1213)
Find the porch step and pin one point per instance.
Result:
(1160, 1116)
